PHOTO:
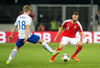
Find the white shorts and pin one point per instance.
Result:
(72, 41)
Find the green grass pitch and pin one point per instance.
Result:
(35, 56)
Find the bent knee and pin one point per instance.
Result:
(80, 44)
(17, 48)
(41, 40)
(61, 46)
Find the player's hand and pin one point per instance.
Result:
(9, 38)
(55, 39)
(25, 39)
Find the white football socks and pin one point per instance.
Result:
(47, 47)
(12, 55)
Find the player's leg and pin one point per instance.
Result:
(63, 42)
(12, 54)
(56, 52)
(19, 43)
(79, 48)
(79, 45)
(36, 39)
(45, 45)
(58, 49)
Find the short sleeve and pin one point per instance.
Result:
(64, 24)
(29, 20)
(80, 27)
(16, 23)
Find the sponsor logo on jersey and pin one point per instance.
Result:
(74, 26)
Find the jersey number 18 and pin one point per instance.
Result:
(22, 25)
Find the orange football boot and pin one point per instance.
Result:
(51, 60)
(75, 58)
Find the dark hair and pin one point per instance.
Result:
(75, 13)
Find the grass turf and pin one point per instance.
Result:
(35, 56)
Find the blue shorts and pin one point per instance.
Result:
(33, 39)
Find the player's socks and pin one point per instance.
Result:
(77, 50)
(55, 54)
(52, 58)
(11, 56)
(47, 47)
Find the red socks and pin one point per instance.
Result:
(77, 50)
(58, 49)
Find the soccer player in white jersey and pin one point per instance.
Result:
(23, 23)
(70, 28)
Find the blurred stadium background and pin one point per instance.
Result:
(51, 14)
(45, 11)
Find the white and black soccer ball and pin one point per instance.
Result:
(65, 57)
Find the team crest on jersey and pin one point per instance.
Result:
(74, 26)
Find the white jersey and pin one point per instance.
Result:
(21, 23)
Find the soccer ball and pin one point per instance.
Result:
(65, 57)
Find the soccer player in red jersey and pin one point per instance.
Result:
(70, 27)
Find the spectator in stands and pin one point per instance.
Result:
(7, 17)
(59, 26)
(53, 25)
(32, 15)
(46, 25)
(41, 27)
(97, 16)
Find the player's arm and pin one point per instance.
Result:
(84, 37)
(13, 30)
(27, 33)
(60, 30)
(82, 33)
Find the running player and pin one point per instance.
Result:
(23, 23)
(71, 26)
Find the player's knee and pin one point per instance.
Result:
(16, 48)
(61, 46)
(80, 44)
(41, 41)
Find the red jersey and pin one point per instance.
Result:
(71, 29)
